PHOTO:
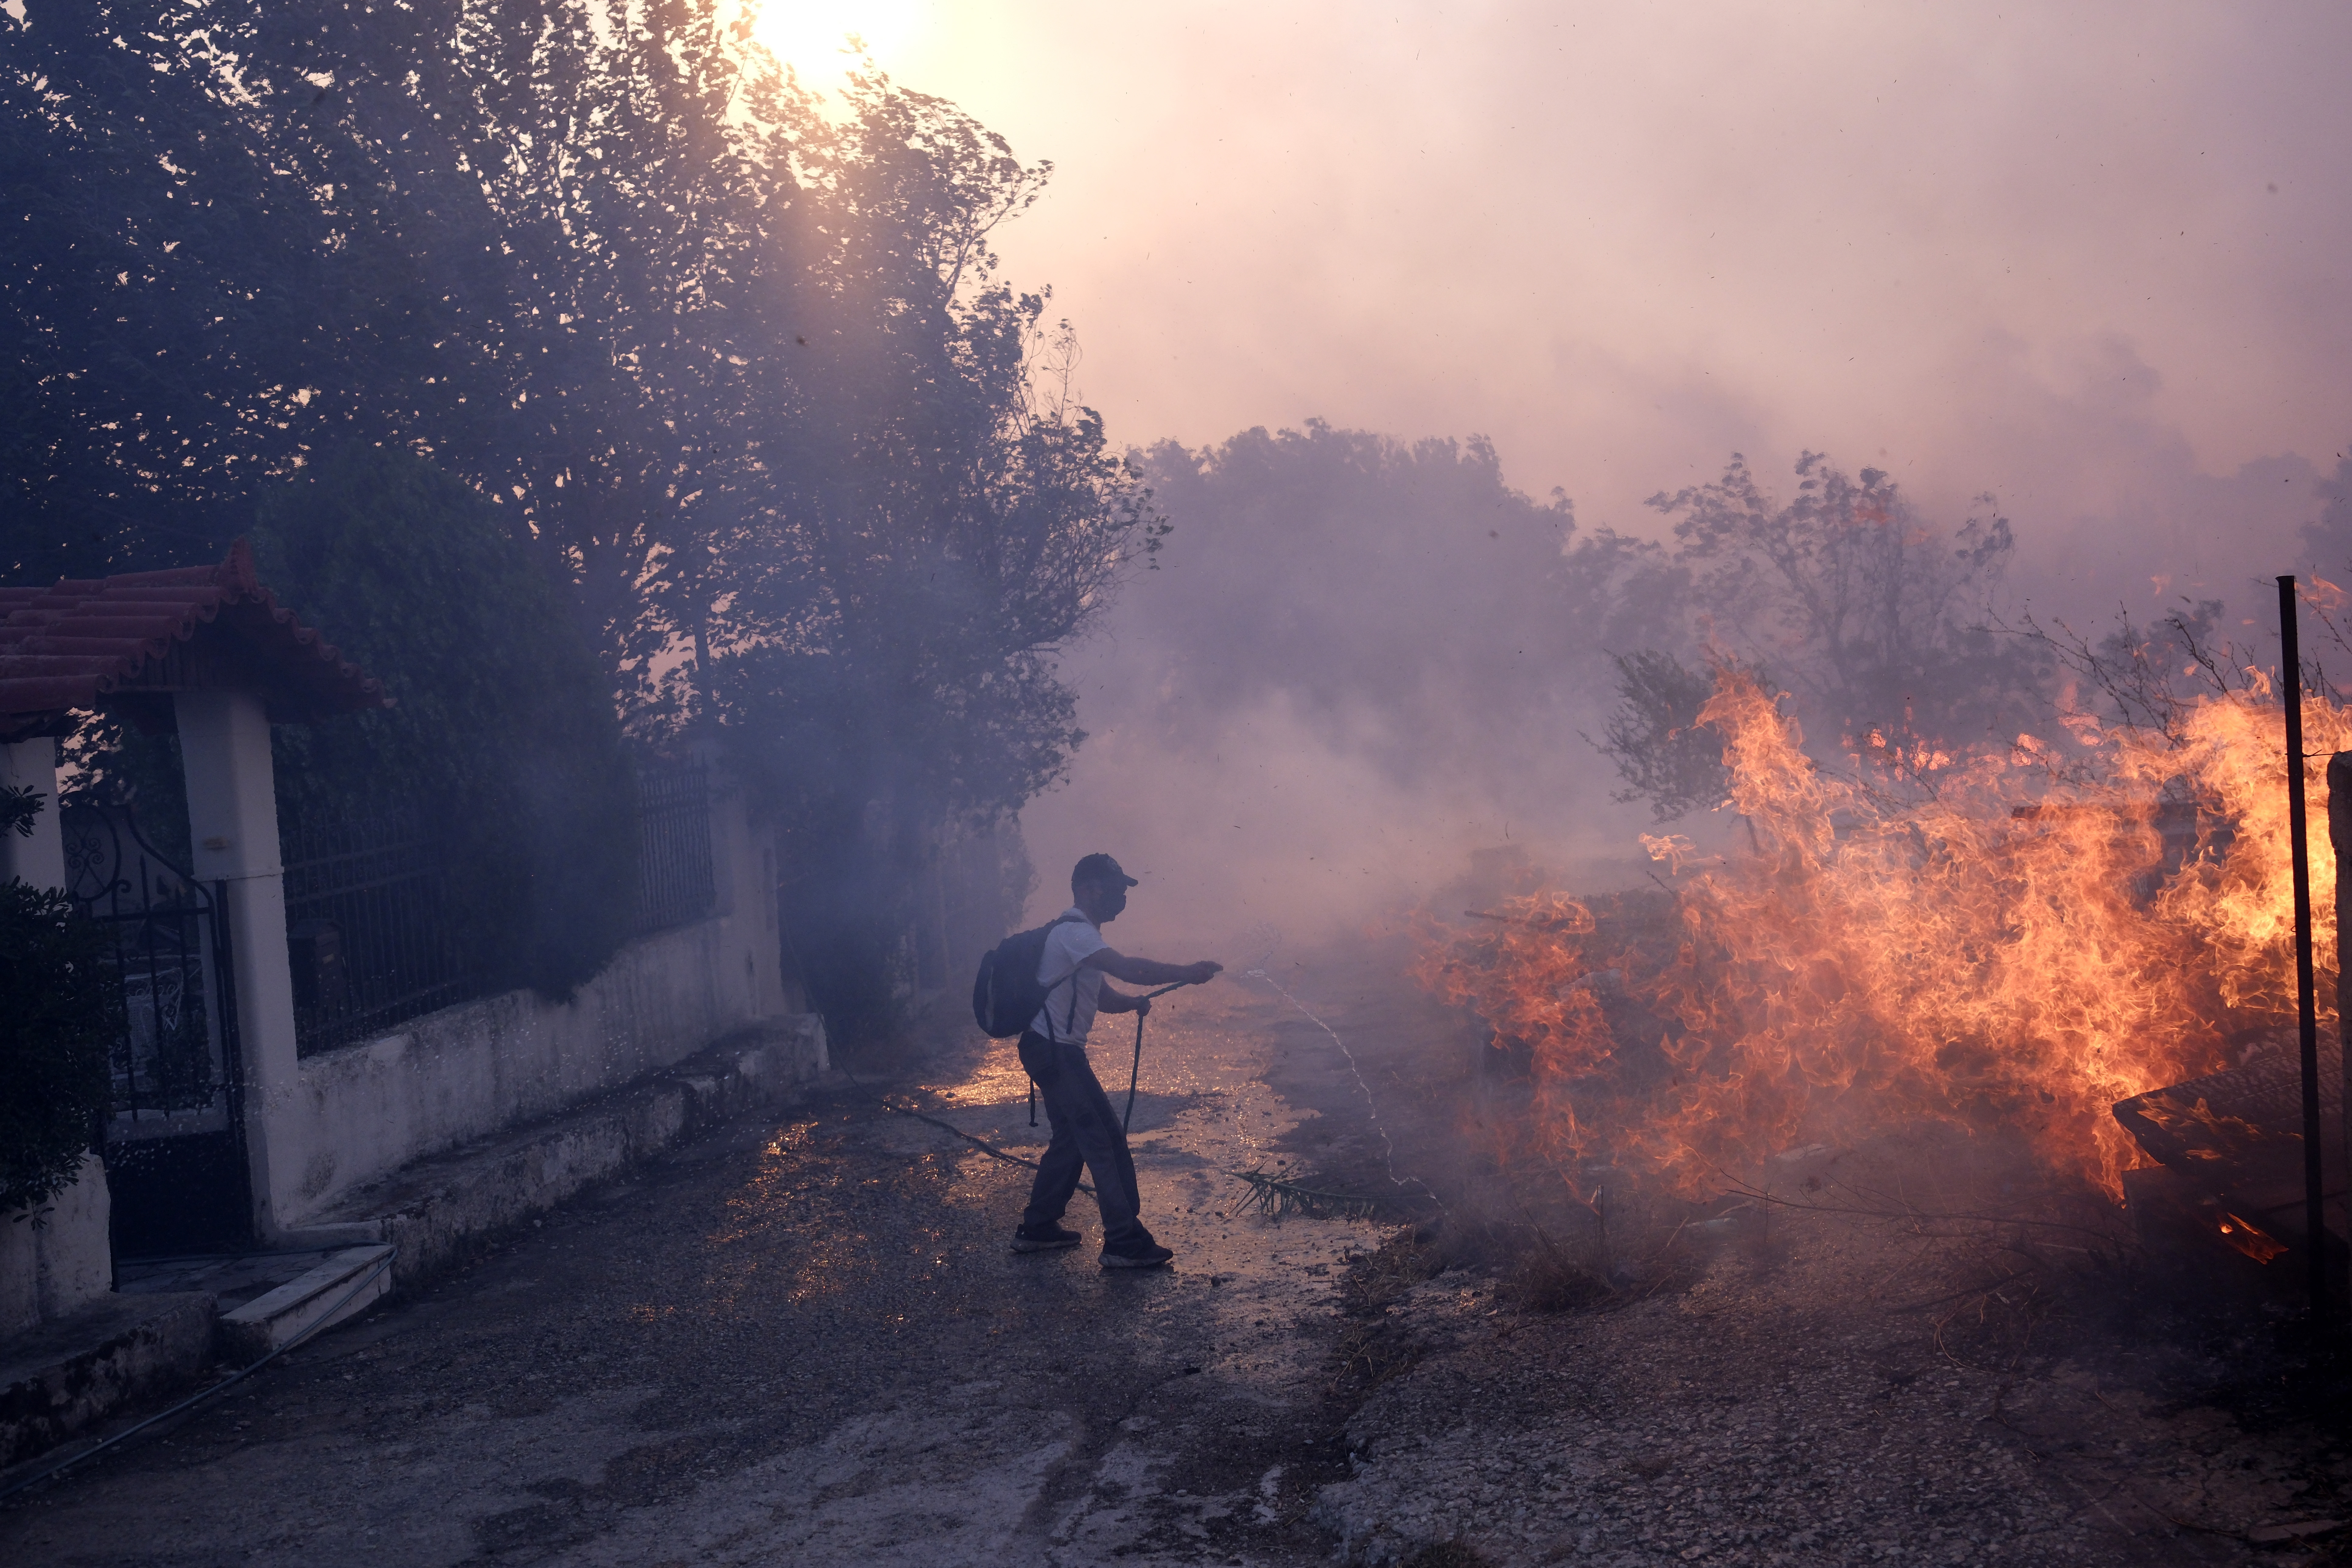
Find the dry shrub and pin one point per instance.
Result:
(1548, 1263)
(1378, 1277)
(1551, 1277)
(1371, 1348)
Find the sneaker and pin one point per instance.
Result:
(1145, 1255)
(1047, 1239)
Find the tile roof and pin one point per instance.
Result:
(84, 642)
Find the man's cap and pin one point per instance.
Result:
(1100, 867)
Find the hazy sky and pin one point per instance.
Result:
(2092, 258)
(2043, 252)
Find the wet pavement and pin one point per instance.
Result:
(804, 1341)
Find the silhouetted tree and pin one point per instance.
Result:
(1879, 621)
(1876, 617)
(740, 378)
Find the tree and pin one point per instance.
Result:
(140, 227)
(740, 378)
(1874, 617)
(1399, 602)
(503, 742)
(1879, 621)
(874, 625)
(2328, 537)
(1665, 754)
(59, 996)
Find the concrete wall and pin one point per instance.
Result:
(55, 1261)
(467, 1072)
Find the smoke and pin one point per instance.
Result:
(1626, 240)
(1361, 660)
(1358, 661)
(2086, 259)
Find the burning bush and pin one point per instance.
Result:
(2022, 947)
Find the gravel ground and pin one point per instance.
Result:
(1786, 1412)
(806, 1343)
(1846, 1375)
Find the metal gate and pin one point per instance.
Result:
(174, 1138)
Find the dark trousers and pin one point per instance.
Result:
(1086, 1133)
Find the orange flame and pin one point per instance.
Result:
(2017, 950)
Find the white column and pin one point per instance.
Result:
(41, 859)
(232, 835)
(741, 860)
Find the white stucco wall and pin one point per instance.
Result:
(481, 1067)
(50, 1269)
(468, 1072)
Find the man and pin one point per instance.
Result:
(1053, 1050)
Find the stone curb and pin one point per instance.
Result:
(65, 1377)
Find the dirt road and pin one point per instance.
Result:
(808, 1344)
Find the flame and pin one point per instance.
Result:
(2016, 949)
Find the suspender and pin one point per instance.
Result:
(1071, 1020)
(1071, 980)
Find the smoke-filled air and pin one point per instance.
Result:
(1633, 727)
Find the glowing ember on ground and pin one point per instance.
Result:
(2017, 946)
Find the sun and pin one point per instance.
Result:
(812, 36)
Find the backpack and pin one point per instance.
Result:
(1007, 993)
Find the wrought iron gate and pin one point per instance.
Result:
(173, 1140)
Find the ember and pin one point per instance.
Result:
(2015, 941)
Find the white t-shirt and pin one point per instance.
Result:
(1067, 946)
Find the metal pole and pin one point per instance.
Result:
(1135, 1076)
(2339, 837)
(2306, 983)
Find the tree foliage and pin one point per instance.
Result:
(19, 806)
(59, 996)
(503, 739)
(740, 376)
(1880, 621)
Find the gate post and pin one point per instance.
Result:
(233, 837)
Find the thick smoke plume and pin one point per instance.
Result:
(1363, 659)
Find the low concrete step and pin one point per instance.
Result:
(342, 1286)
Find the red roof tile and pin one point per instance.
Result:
(82, 641)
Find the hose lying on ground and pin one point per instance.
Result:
(1008, 1156)
(200, 1395)
(984, 1146)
